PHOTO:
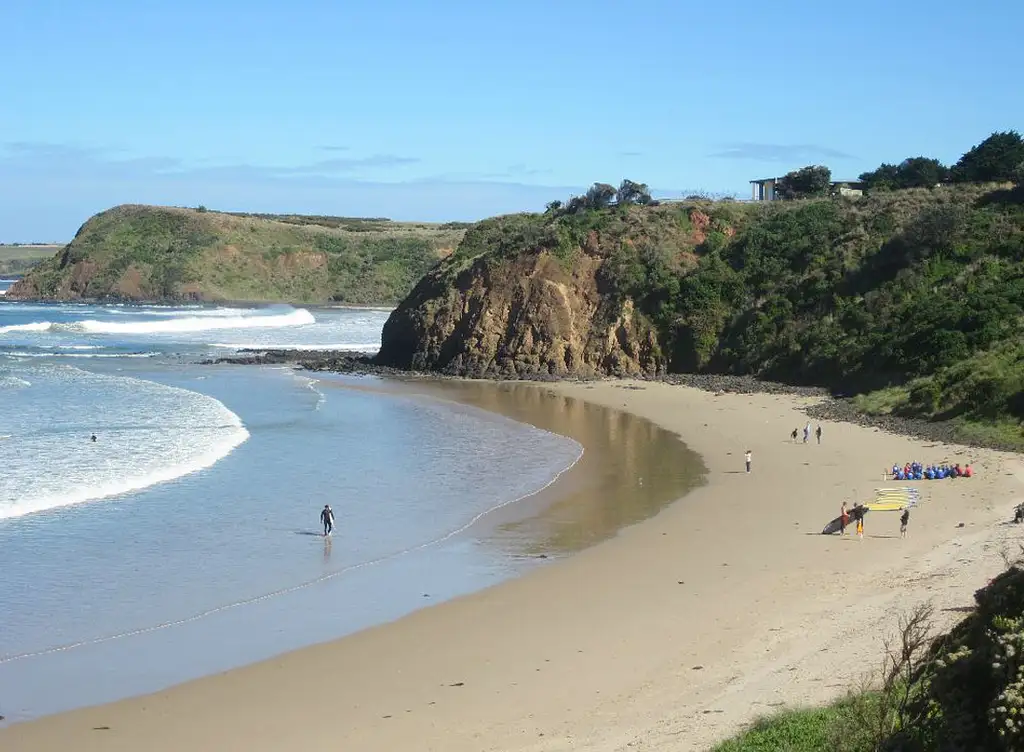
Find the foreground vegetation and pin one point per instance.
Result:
(963, 690)
(165, 253)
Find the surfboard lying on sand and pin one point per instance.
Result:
(894, 499)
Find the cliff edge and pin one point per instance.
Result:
(533, 295)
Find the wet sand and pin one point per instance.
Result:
(667, 636)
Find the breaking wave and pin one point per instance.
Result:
(298, 317)
(149, 433)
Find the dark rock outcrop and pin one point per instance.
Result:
(529, 315)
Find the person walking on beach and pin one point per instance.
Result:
(859, 514)
(327, 517)
(904, 519)
(818, 433)
(807, 432)
(844, 518)
(793, 435)
(747, 460)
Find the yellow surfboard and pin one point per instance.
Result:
(893, 499)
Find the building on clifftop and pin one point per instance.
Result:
(764, 190)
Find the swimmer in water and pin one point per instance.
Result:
(92, 438)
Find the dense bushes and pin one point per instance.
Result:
(961, 691)
(854, 298)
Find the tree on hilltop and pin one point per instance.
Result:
(632, 193)
(998, 158)
(913, 172)
(813, 180)
(600, 195)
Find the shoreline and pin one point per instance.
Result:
(670, 635)
(832, 407)
(517, 533)
(596, 497)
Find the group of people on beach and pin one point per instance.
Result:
(807, 433)
(858, 512)
(917, 471)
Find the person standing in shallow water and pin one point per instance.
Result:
(327, 517)
(747, 460)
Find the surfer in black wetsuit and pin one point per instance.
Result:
(93, 438)
(904, 519)
(327, 517)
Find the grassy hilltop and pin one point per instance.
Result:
(910, 299)
(19, 258)
(163, 253)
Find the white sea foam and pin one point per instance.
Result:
(149, 433)
(58, 354)
(340, 346)
(172, 325)
(35, 326)
(195, 323)
(179, 312)
(13, 382)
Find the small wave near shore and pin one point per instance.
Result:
(148, 433)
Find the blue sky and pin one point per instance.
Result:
(457, 110)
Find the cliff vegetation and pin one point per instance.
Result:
(150, 253)
(911, 299)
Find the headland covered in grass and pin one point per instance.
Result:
(152, 253)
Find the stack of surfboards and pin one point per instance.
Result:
(894, 499)
(886, 500)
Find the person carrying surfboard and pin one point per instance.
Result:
(327, 517)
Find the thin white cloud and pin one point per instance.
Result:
(760, 152)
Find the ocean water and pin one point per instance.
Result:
(185, 540)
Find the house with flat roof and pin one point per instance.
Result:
(764, 190)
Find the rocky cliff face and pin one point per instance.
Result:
(528, 315)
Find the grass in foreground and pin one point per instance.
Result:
(836, 727)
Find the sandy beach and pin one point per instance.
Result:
(670, 636)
